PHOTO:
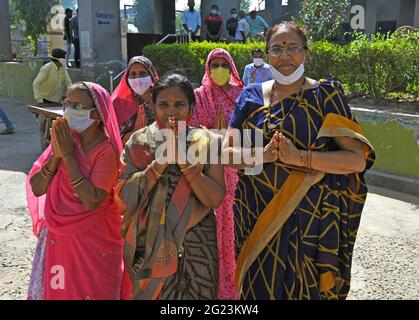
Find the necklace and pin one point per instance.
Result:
(272, 126)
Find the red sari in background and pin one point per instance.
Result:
(132, 111)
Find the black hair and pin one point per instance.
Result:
(233, 9)
(257, 50)
(68, 10)
(175, 80)
(253, 12)
(289, 27)
(58, 53)
(214, 6)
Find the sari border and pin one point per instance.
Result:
(270, 221)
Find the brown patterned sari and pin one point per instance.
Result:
(170, 237)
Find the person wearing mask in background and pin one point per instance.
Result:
(221, 86)
(52, 80)
(67, 34)
(232, 26)
(257, 24)
(213, 25)
(191, 20)
(74, 27)
(242, 28)
(258, 71)
(134, 107)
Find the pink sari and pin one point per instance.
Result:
(209, 98)
(81, 255)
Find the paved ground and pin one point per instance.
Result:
(386, 264)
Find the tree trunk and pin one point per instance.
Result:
(5, 38)
(34, 40)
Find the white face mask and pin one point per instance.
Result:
(63, 63)
(258, 62)
(214, 11)
(140, 85)
(234, 15)
(287, 80)
(78, 120)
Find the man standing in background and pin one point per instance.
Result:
(191, 19)
(67, 33)
(213, 25)
(52, 81)
(232, 25)
(257, 24)
(74, 25)
(242, 28)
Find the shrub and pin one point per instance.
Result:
(369, 65)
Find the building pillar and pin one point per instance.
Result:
(416, 15)
(100, 38)
(157, 16)
(371, 16)
(407, 12)
(5, 38)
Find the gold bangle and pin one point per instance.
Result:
(150, 173)
(76, 185)
(311, 159)
(43, 174)
(154, 170)
(302, 157)
(77, 180)
(49, 172)
(188, 168)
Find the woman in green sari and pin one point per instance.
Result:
(296, 221)
(169, 225)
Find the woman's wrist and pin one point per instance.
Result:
(67, 157)
(159, 167)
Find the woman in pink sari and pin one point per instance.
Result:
(70, 197)
(215, 100)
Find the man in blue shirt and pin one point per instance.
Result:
(257, 24)
(258, 71)
(191, 19)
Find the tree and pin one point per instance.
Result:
(245, 5)
(35, 15)
(322, 19)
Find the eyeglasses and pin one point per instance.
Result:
(216, 65)
(279, 51)
(76, 106)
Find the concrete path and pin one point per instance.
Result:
(386, 255)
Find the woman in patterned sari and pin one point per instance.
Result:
(169, 225)
(132, 98)
(297, 220)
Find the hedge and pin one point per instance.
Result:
(369, 65)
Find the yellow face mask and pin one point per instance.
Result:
(220, 75)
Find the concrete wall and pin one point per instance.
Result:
(100, 37)
(16, 79)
